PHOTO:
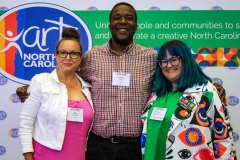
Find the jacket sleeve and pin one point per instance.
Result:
(221, 130)
(28, 115)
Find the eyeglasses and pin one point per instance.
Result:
(174, 61)
(72, 54)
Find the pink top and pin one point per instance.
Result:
(75, 137)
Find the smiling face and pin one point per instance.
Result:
(123, 24)
(171, 67)
(68, 63)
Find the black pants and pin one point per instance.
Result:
(99, 148)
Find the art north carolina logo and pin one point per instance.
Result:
(28, 37)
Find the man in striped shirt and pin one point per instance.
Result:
(120, 73)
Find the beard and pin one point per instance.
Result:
(123, 42)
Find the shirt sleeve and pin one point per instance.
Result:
(84, 69)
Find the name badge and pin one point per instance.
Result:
(158, 114)
(121, 79)
(75, 115)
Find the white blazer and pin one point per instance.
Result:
(43, 116)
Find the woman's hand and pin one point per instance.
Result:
(28, 156)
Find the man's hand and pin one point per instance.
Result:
(221, 93)
(28, 156)
(22, 93)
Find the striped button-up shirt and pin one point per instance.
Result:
(118, 107)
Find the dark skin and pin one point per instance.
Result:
(22, 93)
(123, 25)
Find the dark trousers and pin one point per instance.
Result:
(116, 148)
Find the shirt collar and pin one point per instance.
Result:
(127, 50)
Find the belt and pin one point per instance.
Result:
(116, 139)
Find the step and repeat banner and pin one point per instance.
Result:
(29, 32)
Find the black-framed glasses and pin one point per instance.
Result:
(72, 54)
(174, 61)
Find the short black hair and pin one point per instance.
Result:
(126, 4)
